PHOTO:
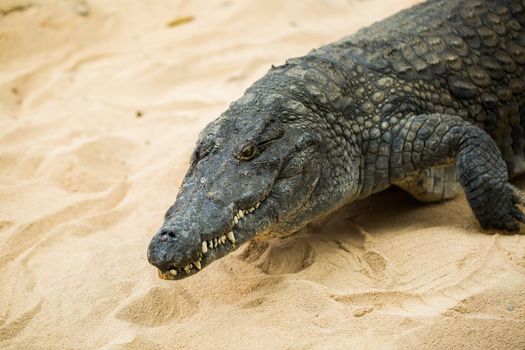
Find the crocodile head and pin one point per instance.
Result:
(249, 174)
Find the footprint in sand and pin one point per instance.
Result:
(92, 212)
(94, 165)
(280, 256)
(375, 261)
(17, 166)
(157, 307)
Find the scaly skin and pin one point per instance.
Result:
(433, 94)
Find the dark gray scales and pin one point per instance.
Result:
(431, 100)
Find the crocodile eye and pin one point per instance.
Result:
(247, 152)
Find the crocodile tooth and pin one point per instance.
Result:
(223, 239)
(235, 220)
(197, 265)
(241, 214)
(231, 236)
(187, 268)
(215, 242)
(204, 247)
(173, 272)
(257, 205)
(251, 210)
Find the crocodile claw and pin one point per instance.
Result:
(503, 212)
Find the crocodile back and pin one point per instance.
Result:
(463, 58)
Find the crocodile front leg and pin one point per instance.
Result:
(424, 141)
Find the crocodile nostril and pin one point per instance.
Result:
(167, 232)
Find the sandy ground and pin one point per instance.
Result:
(100, 105)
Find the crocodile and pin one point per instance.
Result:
(431, 99)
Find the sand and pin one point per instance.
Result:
(100, 105)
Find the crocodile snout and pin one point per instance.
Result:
(170, 248)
